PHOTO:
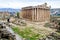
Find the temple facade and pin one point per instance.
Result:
(36, 13)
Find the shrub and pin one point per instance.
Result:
(47, 25)
(18, 15)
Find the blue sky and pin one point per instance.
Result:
(23, 3)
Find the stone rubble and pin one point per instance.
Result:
(5, 34)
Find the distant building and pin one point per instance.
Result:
(36, 13)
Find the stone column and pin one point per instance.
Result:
(48, 14)
(40, 11)
(43, 14)
(32, 14)
(35, 14)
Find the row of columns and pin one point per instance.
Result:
(35, 14)
(40, 15)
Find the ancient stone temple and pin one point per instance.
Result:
(36, 13)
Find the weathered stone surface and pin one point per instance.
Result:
(5, 34)
(39, 13)
(20, 22)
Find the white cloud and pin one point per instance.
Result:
(17, 4)
(23, 3)
(54, 4)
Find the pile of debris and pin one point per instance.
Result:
(20, 22)
(5, 34)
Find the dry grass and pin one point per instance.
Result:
(36, 29)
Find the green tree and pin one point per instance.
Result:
(18, 15)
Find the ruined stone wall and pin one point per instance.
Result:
(27, 14)
(43, 14)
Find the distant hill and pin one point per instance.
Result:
(9, 10)
(55, 11)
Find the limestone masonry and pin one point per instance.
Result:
(36, 13)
